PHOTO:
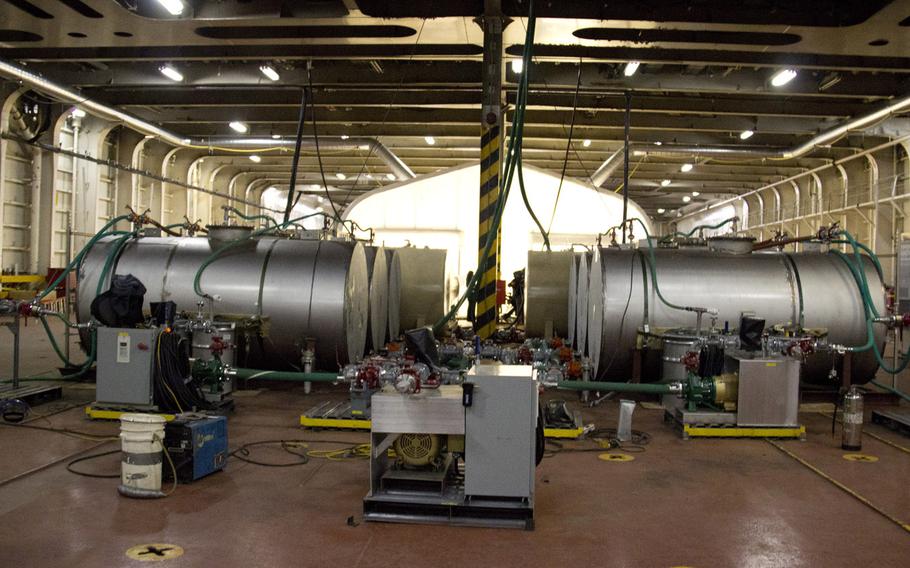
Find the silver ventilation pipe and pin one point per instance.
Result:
(606, 169)
(823, 138)
(68, 95)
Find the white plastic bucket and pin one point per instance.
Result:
(140, 468)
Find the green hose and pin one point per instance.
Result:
(652, 262)
(602, 386)
(78, 258)
(247, 374)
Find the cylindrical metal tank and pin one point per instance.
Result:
(573, 297)
(581, 302)
(299, 288)
(416, 288)
(202, 341)
(766, 285)
(378, 271)
(547, 285)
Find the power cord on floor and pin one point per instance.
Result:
(69, 466)
(605, 439)
(292, 446)
(65, 431)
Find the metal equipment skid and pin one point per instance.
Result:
(463, 455)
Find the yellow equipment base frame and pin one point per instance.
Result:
(690, 431)
(360, 424)
(95, 413)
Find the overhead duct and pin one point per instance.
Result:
(68, 95)
(606, 169)
(826, 137)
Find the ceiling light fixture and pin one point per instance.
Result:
(665, 183)
(255, 158)
(746, 134)
(686, 199)
(829, 81)
(171, 73)
(783, 77)
(276, 136)
(695, 194)
(658, 143)
(686, 168)
(586, 143)
(429, 140)
(269, 72)
(661, 211)
(518, 65)
(391, 177)
(174, 7)
(238, 126)
(340, 175)
(344, 136)
(631, 68)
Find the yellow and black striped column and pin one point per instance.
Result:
(487, 310)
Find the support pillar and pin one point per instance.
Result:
(490, 169)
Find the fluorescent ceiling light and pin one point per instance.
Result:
(430, 140)
(518, 65)
(746, 134)
(369, 176)
(586, 143)
(391, 177)
(665, 183)
(658, 143)
(661, 211)
(78, 113)
(175, 7)
(783, 77)
(276, 136)
(631, 68)
(255, 158)
(695, 194)
(269, 72)
(340, 175)
(171, 73)
(363, 147)
(344, 136)
(686, 199)
(238, 126)
(686, 168)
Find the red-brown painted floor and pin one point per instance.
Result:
(724, 503)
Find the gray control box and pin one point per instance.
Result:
(500, 429)
(125, 372)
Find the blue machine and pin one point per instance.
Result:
(198, 445)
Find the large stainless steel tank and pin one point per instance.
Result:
(378, 269)
(581, 302)
(622, 300)
(300, 288)
(547, 289)
(417, 278)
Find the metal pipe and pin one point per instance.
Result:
(826, 137)
(248, 374)
(606, 169)
(834, 163)
(603, 386)
(69, 95)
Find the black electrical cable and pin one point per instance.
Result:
(325, 185)
(69, 466)
(64, 431)
(349, 450)
(295, 161)
(565, 160)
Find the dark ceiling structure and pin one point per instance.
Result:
(403, 71)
